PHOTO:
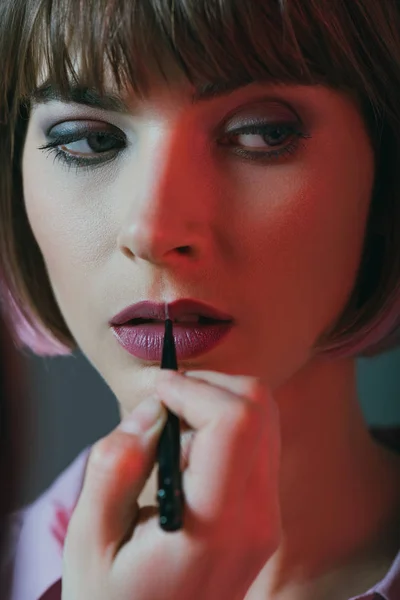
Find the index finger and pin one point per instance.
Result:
(201, 403)
(241, 385)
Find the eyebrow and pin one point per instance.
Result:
(114, 103)
(79, 95)
(216, 89)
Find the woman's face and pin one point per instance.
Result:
(267, 187)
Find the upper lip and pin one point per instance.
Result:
(176, 310)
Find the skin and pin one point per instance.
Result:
(283, 265)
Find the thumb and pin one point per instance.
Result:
(117, 469)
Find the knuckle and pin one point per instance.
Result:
(254, 388)
(243, 419)
(239, 415)
(107, 452)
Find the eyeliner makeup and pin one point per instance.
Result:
(169, 493)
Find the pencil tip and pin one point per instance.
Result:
(168, 327)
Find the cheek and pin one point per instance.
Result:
(303, 246)
(73, 235)
(335, 216)
(308, 218)
(75, 240)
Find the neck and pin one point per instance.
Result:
(340, 491)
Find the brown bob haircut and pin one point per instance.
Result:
(352, 46)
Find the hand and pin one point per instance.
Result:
(116, 551)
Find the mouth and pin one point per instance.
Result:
(189, 319)
(197, 328)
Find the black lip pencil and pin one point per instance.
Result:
(169, 493)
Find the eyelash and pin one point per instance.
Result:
(80, 163)
(261, 156)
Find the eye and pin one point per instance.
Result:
(90, 145)
(264, 140)
(262, 137)
(94, 143)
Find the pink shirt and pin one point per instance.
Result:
(33, 567)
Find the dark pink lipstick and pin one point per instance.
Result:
(198, 328)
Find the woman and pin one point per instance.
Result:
(237, 161)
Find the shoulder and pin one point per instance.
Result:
(35, 535)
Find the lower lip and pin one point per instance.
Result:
(191, 339)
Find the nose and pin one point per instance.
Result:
(150, 241)
(170, 210)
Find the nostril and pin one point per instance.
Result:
(185, 250)
(127, 252)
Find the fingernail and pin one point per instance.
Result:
(145, 416)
